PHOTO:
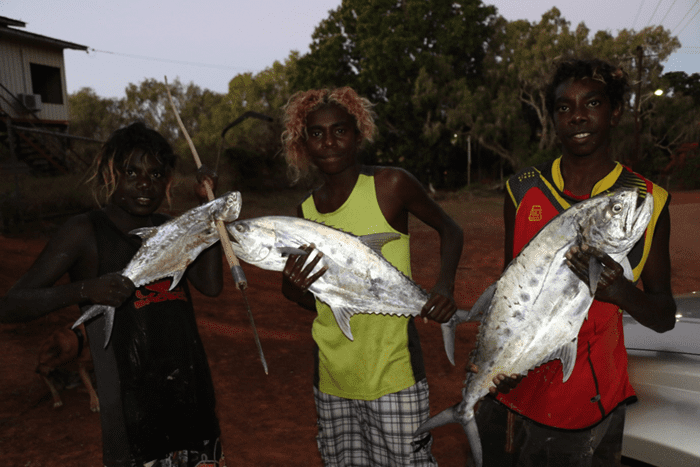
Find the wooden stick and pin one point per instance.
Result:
(236, 270)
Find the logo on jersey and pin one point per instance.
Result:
(160, 294)
(535, 213)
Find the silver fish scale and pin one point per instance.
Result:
(539, 304)
(358, 280)
(168, 249)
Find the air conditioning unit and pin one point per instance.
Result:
(31, 102)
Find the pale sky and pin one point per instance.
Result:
(208, 42)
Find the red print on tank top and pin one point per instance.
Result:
(160, 294)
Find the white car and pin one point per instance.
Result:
(663, 428)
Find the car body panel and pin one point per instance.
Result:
(663, 427)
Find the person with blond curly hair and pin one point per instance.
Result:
(371, 394)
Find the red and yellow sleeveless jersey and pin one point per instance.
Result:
(599, 381)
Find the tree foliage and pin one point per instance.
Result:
(402, 55)
(443, 76)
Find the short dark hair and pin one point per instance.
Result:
(614, 78)
(117, 151)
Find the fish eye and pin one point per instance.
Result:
(241, 228)
(616, 208)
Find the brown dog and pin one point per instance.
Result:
(66, 349)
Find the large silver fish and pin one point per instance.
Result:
(534, 312)
(168, 249)
(359, 279)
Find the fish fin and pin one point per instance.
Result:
(290, 250)
(627, 268)
(176, 278)
(144, 232)
(567, 354)
(595, 270)
(482, 304)
(568, 358)
(378, 240)
(342, 317)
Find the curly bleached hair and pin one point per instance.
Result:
(301, 104)
(116, 153)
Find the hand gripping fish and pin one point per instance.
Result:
(168, 249)
(534, 312)
(359, 279)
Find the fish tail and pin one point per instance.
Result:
(449, 329)
(94, 310)
(109, 323)
(447, 416)
(97, 310)
(468, 422)
(472, 431)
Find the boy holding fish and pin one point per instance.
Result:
(157, 403)
(370, 393)
(580, 422)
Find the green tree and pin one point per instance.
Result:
(390, 50)
(520, 60)
(252, 147)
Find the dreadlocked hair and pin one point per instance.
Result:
(614, 78)
(301, 104)
(117, 152)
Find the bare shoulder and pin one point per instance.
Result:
(74, 239)
(397, 180)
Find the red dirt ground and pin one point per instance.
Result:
(270, 420)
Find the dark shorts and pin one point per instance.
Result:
(537, 445)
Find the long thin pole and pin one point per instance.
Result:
(236, 270)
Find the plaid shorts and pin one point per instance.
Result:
(374, 433)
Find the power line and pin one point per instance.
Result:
(686, 15)
(686, 24)
(667, 12)
(638, 11)
(652, 15)
(163, 60)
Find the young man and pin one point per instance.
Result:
(371, 393)
(155, 389)
(580, 422)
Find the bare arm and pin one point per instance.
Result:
(400, 193)
(71, 250)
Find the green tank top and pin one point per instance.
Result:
(379, 360)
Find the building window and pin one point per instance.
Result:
(46, 81)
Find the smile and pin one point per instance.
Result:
(581, 135)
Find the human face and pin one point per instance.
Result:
(583, 117)
(142, 184)
(332, 139)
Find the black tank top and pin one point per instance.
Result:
(165, 388)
